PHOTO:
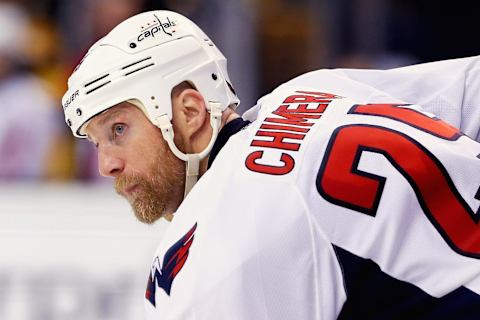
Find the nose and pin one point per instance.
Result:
(109, 163)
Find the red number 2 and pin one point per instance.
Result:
(340, 182)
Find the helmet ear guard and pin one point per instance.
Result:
(141, 61)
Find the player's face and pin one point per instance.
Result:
(132, 150)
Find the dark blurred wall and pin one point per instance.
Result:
(435, 30)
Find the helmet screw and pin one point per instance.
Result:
(69, 122)
(214, 76)
(79, 112)
(133, 45)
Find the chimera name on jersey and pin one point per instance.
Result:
(292, 120)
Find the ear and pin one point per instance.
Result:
(189, 114)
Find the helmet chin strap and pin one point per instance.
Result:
(192, 159)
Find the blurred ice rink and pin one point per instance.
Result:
(72, 251)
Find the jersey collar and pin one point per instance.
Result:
(225, 133)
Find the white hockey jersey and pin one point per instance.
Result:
(448, 89)
(327, 208)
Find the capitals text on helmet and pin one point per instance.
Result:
(161, 26)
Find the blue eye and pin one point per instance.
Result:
(118, 129)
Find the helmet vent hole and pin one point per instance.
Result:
(138, 69)
(96, 80)
(136, 62)
(98, 87)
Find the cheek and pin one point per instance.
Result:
(145, 159)
(144, 147)
(153, 157)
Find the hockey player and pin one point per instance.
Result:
(335, 197)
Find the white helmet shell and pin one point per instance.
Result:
(142, 59)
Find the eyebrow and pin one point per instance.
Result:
(108, 117)
(104, 119)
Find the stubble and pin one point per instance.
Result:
(159, 193)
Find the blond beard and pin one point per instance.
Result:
(160, 193)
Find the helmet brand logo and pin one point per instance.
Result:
(70, 99)
(164, 26)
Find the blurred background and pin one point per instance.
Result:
(69, 247)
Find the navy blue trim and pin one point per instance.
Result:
(374, 295)
(225, 133)
(477, 196)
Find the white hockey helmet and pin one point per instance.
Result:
(140, 61)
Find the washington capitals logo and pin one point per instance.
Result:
(173, 261)
(165, 25)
